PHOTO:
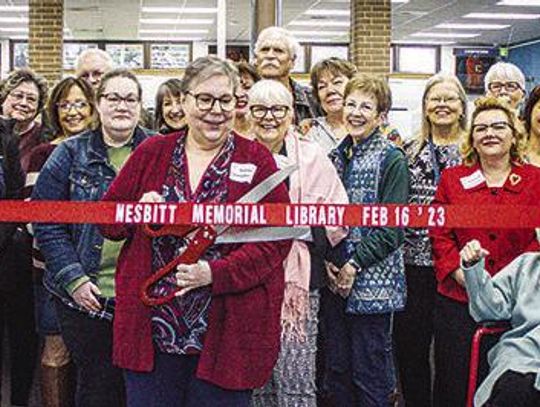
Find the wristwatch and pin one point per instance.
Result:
(352, 262)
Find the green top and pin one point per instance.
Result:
(394, 188)
(111, 249)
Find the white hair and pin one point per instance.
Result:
(91, 53)
(280, 35)
(504, 71)
(270, 92)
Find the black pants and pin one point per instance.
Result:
(99, 383)
(514, 389)
(454, 329)
(413, 333)
(17, 318)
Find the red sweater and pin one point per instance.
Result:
(522, 187)
(242, 342)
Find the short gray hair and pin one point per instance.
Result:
(91, 53)
(505, 71)
(278, 34)
(270, 92)
(204, 68)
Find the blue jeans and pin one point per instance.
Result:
(359, 359)
(172, 383)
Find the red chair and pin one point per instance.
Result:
(485, 329)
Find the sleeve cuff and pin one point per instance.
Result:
(73, 285)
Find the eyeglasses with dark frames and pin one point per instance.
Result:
(205, 101)
(278, 112)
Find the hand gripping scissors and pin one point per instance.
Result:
(200, 238)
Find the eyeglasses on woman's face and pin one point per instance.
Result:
(77, 105)
(498, 86)
(278, 112)
(498, 127)
(205, 101)
(114, 99)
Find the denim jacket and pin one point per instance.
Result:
(77, 170)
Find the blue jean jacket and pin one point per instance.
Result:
(77, 170)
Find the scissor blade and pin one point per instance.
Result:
(262, 189)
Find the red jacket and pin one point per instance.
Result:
(242, 342)
(522, 187)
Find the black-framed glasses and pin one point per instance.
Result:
(278, 112)
(497, 127)
(114, 99)
(77, 105)
(205, 101)
(509, 86)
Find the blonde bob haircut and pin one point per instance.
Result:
(377, 86)
(483, 104)
(269, 92)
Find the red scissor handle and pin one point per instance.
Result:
(204, 238)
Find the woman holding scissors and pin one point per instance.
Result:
(219, 337)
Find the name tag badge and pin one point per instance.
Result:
(473, 180)
(242, 172)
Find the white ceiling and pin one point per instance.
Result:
(121, 20)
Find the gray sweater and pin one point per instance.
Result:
(513, 294)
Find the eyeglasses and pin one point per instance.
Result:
(278, 112)
(497, 127)
(509, 86)
(366, 108)
(19, 96)
(443, 99)
(67, 106)
(205, 102)
(114, 99)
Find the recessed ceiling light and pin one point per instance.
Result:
(183, 10)
(519, 3)
(319, 33)
(14, 9)
(311, 23)
(503, 16)
(171, 31)
(445, 35)
(175, 21)
(460, 26)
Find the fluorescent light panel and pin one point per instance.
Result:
(183, 10)
(423, 42)
(533, 3)
(174, 21)
(171, 38)
(171, 31)
(502, 16)
(14, 9)
(326, 12)
(13, 19)
(460, 26)
(319, 33)
(445, 35)
(311, 23)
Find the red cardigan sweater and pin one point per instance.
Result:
(522, 187)
(242, 342)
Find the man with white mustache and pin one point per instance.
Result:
(275, 55)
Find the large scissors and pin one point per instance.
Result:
(200, 238)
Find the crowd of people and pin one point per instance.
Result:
(332, 316)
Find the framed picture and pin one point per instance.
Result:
(472, 66)
(169, 56)
(20, 55)
(126, 55)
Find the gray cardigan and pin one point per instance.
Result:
(513, 294)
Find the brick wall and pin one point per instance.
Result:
(371, 32)
(45, 40)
